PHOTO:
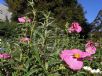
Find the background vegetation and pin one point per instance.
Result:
(48, 33)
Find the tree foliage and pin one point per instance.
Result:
(17, 7)
(64, 10)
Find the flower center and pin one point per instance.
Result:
(77, 55)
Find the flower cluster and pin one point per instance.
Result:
(74, 57)
(75, 27)
(24, 19)
(5, 56)
(22, 40)
(90, 47)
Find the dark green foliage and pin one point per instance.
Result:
(18, 7)
(62, 10)
(8, 30)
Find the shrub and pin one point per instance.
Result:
(35, 48)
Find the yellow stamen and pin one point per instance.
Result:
(77, 55)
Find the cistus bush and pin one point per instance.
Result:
(41, 48)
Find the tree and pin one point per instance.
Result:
(17, 7)
(62, 10)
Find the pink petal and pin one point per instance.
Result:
(24, 19)
(1, 56)
(21, 20)
(75, 27)
(29, 20)
(85, 54)
(76, 51)
(91, 50)
(70, 30)
(24, 39)
(79, 29)
(82, 54)
(65, 54)
(73, 63)
(5, 56)
(89, 43)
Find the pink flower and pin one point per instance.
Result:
(73, 58)
(75, 27)
(24, 39)
(24, 19)
(90, 47)
(5, 56)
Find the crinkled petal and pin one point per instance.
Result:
(73, 63)
(28, 20)
(77, 27)
(91, 50)
(70, 30)
(85, 54)
(65, 54)
(78, 30)
(76, 51)
(82, 54)
(1, 56)
(5, 56)
(21, 20)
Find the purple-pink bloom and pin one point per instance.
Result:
(75, 27)
(73, 58)
(90, 47)
(5, 56)
(24, 39)
(24, 19)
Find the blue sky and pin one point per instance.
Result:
(91, 6)
(1, 1)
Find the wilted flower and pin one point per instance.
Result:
(73, 58)
(24, 39)
(5, 55)
(75, 27)
(90, 47)
(24, 19)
